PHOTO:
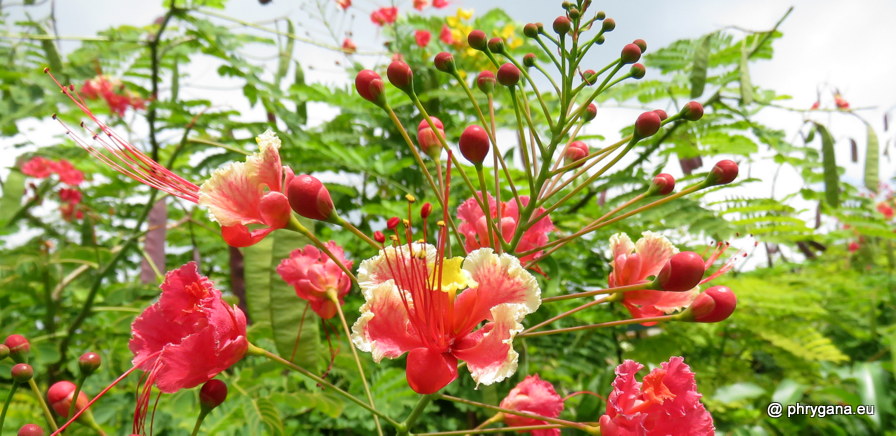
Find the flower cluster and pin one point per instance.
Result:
(113, 91)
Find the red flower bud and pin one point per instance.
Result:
(574, 151)
(715, 304)
(378, 236)
(637, 71)
(60, 398)
(31, 430)
(508, 74)
(477, 40)
(18, 347)
(444, 62)
(641, 44)
(681, 273)
(89, 362)
(486, 82)
(662, 114)
(662, 184)
(608, 25)
(529, 60)
(310, 198)
(429, 142)
(425, 210)
(589, 77)
(647, 124)
(692, 111)
(212, 394)
(474, 144)
(630, 54)
(590, 112)
(22, 372)
(530, 30)
(392, 223)
(724, 172)
(370, 86)
(562, 25)
(496, 45)
(400, 76)
(435, 120)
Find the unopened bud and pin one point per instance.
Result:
(31, 430)
(574, 151)
(662, 184)
(530, 30)
(692, 111)
(212, 394)
(392, 223)
(508, 74)
(600, 15)
(574, 13)
(590, 112)
(599, 40)
(637, 71)
(630, 54)
(19, 347)
(722, 173)
(22, 372)
(60, 398)
(401, 76)
(444, 62)
(486, 82)
(529, 60)
(662, 114)
(310, 198)
(496, 45)
(713, 305)
(681, 273)
(89, 362)
(425, 210)
(647, 124)
(608, 25)
(378, 236)
(641, 44)
(562, 25)
(477, 40)
(474, 144)
(435, 121)
(370, 86)
(429, 142)
(589, 77)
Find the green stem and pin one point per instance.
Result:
(12, 391)
(71, 408)
(199, 419)
(418, 410)
(43, 405)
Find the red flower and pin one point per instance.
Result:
(475, 229)
(439, 4)
(413, 306)
(111, 90)
(68, 174)
(422, 37)
(39, 167)
(666, 403)
(445, 35)
(853, 247)
(70, 212)
(533, 395)
(420, 4)
(885, 209)
(383, 16)
(189, 335)
(71, 196)
(840, 102)
(313, 274)
(348, 46)
(344, 4)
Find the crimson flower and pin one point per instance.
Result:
(420, 4)
(474, 226)
(313, 274)
(439, 4)
(885, 209)
(383, 16)
(533, 395)
(111, 90)
(665, 403)
(38, 167)
(445, 35)
(413, 306)
(422, 37)
(67, 172)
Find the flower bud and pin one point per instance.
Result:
(608, 25)
(310, 198)
(378, 236)
(641, 44)
(662, 114)
(370, 86)
(574, 13)
(574, 151)
(392, 223)
(89, 362)
(4, 351)
(600, 39)
(600, 15)
(713, 305)
(647, 124)
(681, 273)
(508, 74)
(429, 142)
(529, 60)
(444, 62)
(22, 372)
(19, 347)
(401, 76)
(724, 172)
(630, 54)
(425, 210)
(486, 82)
(212, 394)
(530, 30)
(562, 25)
(590, 112)
(662, 184)
(637, 71)
(496, 45)
(692, 111)
(474, 144)
(60, 397)
(589, 77)
(477, 40)
(540, 27)
(31, 430)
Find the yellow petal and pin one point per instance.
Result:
(453, 277)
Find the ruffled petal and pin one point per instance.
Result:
(231, 196)
(428, 370)
(620, 243)
(392, 263)
(238, 235)
(383, 329)
(499, 279)
(655, 250)
(264, 167)
(489, 351)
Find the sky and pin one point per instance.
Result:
(826, 43)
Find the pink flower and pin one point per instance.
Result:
(71, 196)
(111, 90)
(344, 4)
(853, 247)
(840, 102)
(189, 335)
(420, 4)
(885, 209)
(413, 306)
(422, 37)
(383, 16)
(474, 226)
(445, 35)
(666, 403)
(635, 263)
(533, 395)
(38, 167)
(439, 4)
(68, 174)
(314, 274)
(349, 46)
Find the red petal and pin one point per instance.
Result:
(429, 370)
